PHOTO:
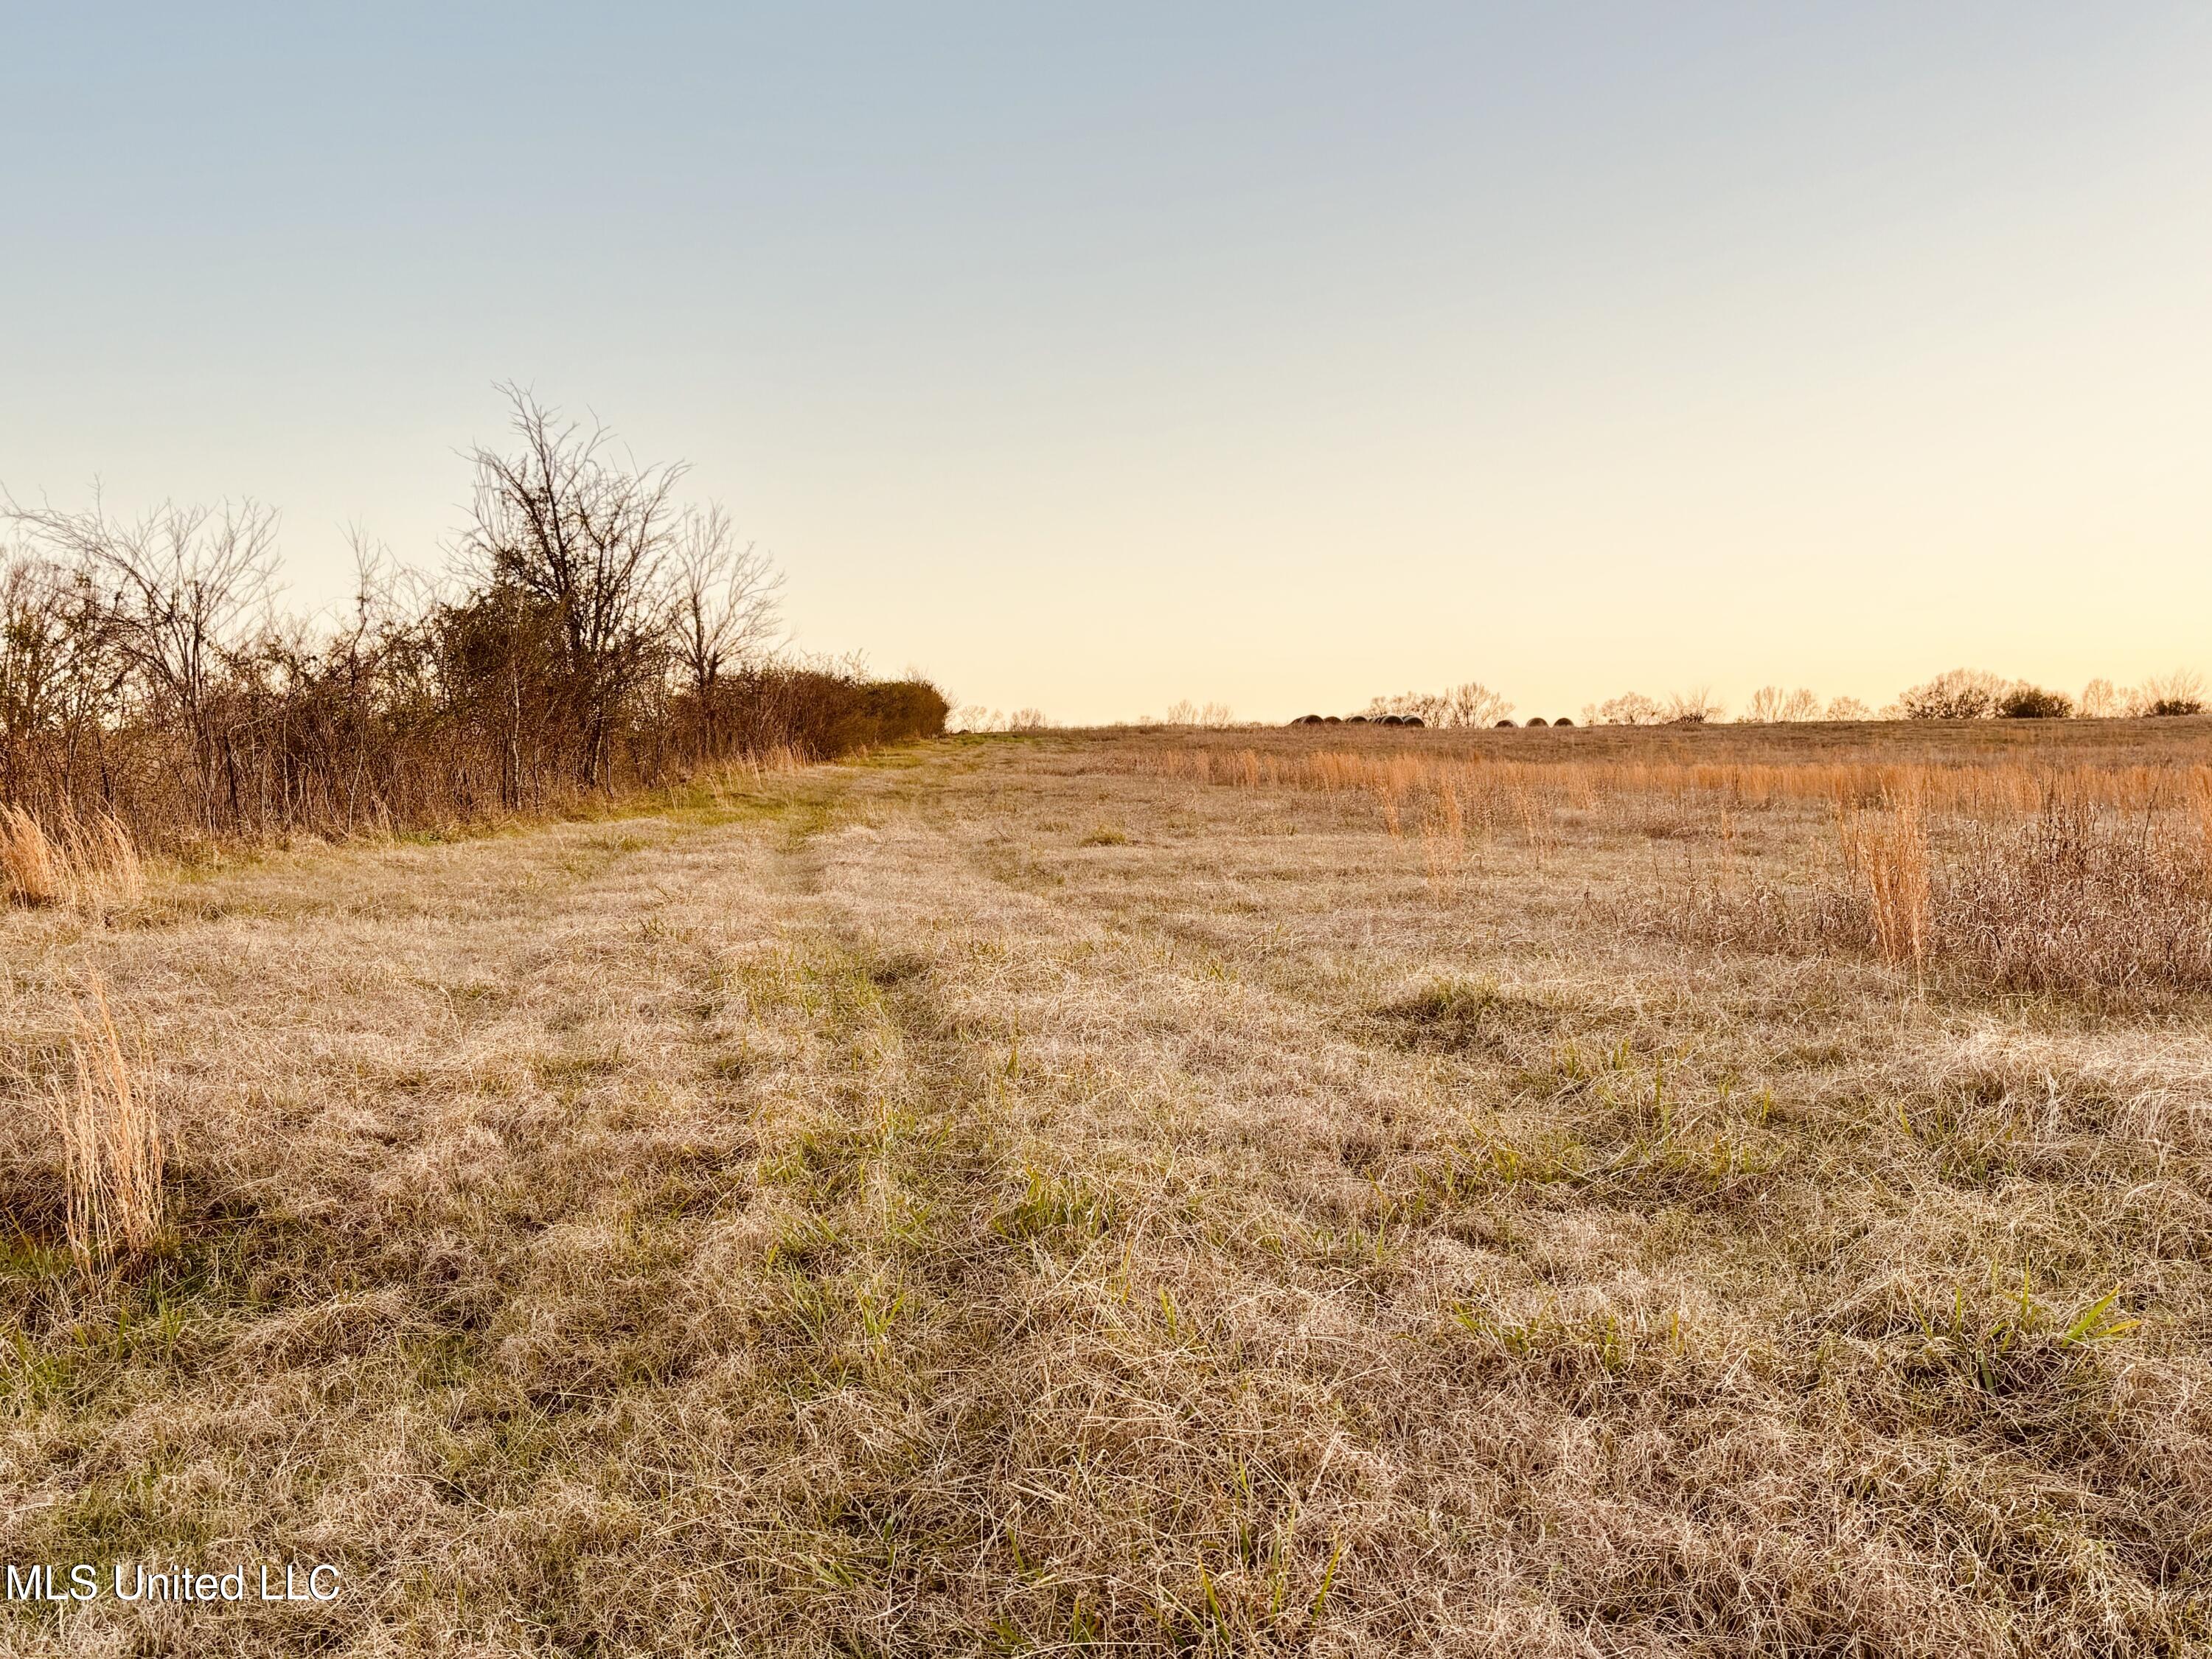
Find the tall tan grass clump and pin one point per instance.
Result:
(2200, 797)
(1886, 854)
(775, 760)
(1539, 823)
(1443, 841)
(31, 867)
(111, 1140)
(104, 862)
(78, 861)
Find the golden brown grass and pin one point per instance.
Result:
(109, 1130)
(873, 1211)
(2162, 767)
(1888, 854)
(30, 865)
(2092, 868)
(79, 860)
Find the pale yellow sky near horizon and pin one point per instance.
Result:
(1274, 356)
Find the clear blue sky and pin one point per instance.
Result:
(1092, 358)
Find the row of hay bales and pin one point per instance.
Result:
(1411, 720)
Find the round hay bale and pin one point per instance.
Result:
(1506, 725)
(1332, 720)
(1413, 719)
(1563, 720)
(1538, 720)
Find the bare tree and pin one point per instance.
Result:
(1630, 709)
(1475, 704)
(1471, 704)
(1770, 703)
(563, 524)
(1848, 708)
(175, 590)
(35, 677)
(2101, 700)
(31, 643)
(1693, 708)
(723, 607)
(2181, 692)
(1422, 703)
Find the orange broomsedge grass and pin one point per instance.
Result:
(111, 1139)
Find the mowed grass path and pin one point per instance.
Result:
(998, 1201)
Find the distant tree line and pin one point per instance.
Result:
(590, 634)
(1960, 694)
(1974, 694)
(974, 717)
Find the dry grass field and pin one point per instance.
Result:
(1592, 1193)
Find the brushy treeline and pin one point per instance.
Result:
(590, 637)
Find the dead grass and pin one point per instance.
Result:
(1887, 855)
(2079, 897)
(867, 1212)
(30, 864)
(110, 1134)
(2074, 877)
(85, 861)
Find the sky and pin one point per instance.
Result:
(1092, 358)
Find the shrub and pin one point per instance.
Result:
(2024, 702)
(1962, 694)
